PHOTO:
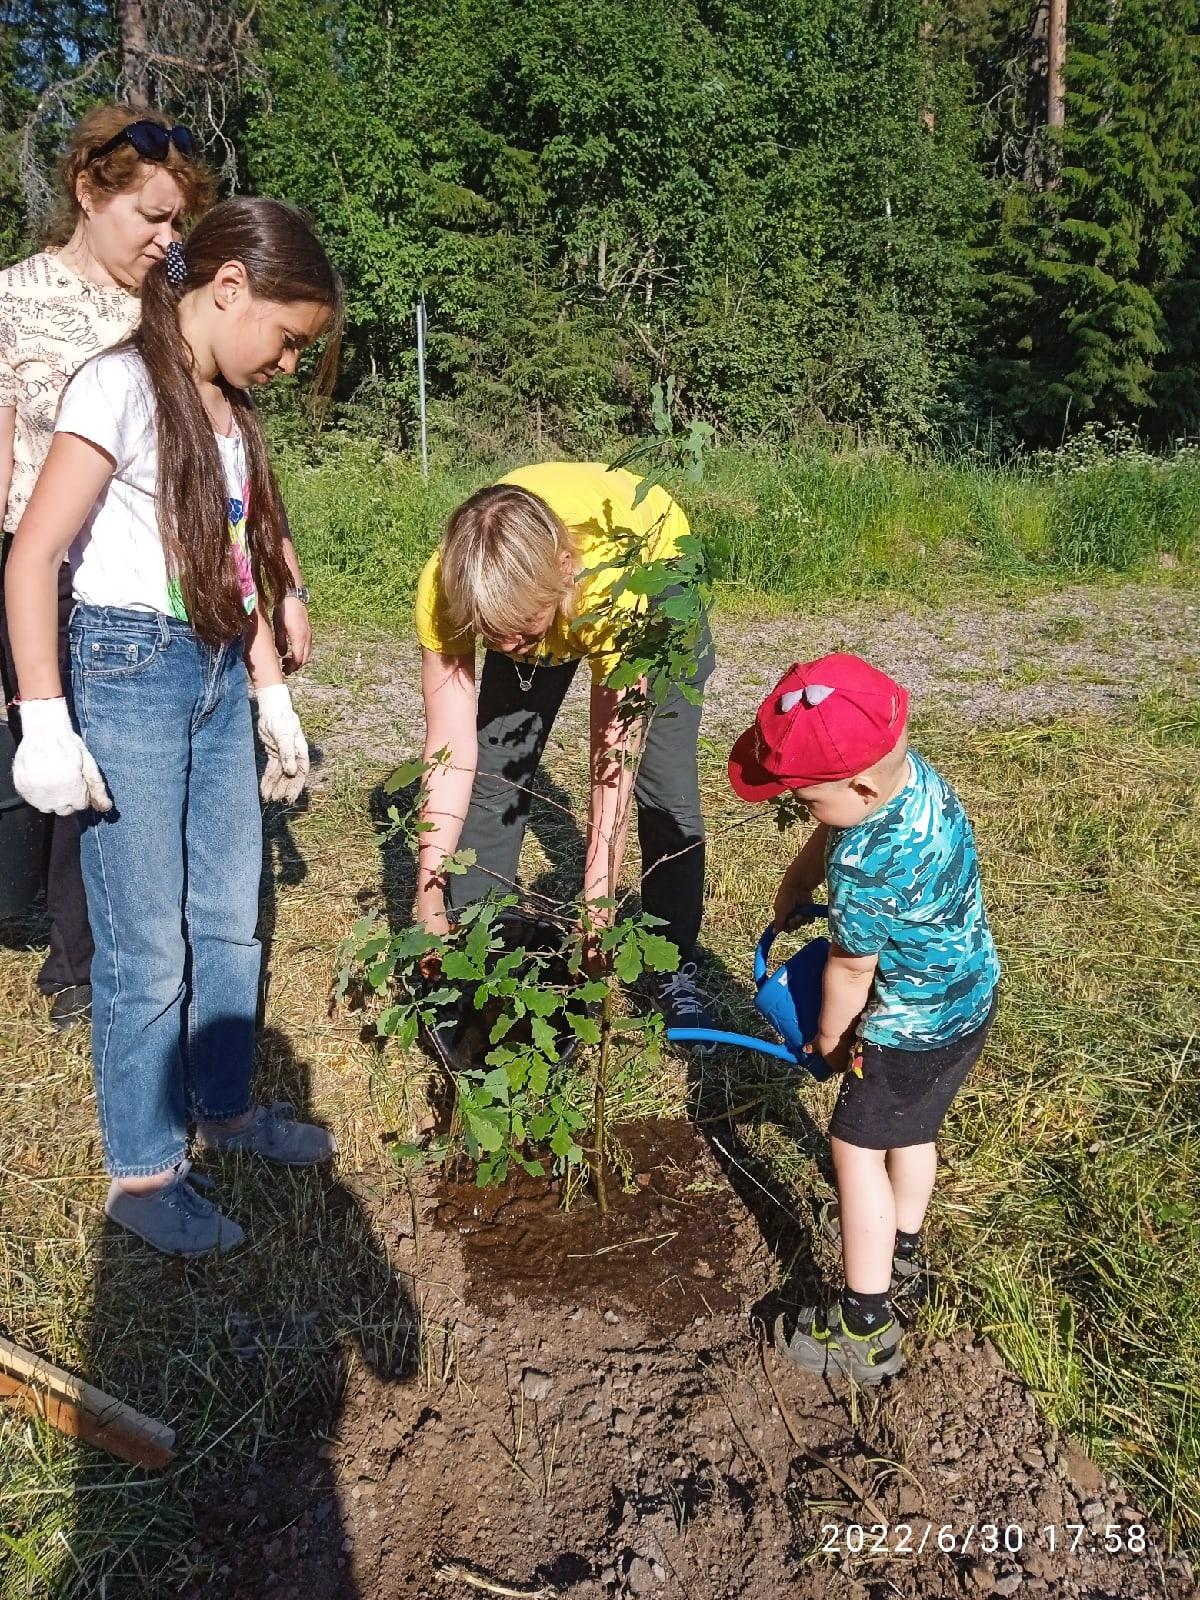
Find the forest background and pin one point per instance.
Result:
(969, 224)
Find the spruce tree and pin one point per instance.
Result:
(1082, 291)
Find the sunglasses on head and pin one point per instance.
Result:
(151, 141)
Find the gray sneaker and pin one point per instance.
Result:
(682, 1000)
(271, 1132)
(821, 1343)
(176, 1219)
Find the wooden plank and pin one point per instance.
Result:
(81, 1410)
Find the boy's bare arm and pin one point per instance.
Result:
(846, 989)
(806, 872)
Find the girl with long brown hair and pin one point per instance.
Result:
(159, 487)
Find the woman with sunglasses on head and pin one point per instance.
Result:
(128, 180)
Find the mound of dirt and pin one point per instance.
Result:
(595, 1414)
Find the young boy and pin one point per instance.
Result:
(910, 980)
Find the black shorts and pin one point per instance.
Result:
(903, 1095)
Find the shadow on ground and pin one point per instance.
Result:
(247, 1357)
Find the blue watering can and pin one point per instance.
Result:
(789, 998)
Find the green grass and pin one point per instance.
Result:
(801, 525)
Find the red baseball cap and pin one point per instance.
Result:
(823, 721)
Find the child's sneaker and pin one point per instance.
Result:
(909, 1272)
(820, 1343)
(174, 1219)
(683, 1003)
(272, 1132)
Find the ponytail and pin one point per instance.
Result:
(284, 262)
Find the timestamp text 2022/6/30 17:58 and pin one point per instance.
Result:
(983, 1538)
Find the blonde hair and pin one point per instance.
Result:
(501, 562)
(120, 170)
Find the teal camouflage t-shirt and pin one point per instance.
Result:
(904, 885)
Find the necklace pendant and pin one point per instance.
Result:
(525, 682)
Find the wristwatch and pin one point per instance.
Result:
(299, 592)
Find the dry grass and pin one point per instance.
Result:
(1065, 1222)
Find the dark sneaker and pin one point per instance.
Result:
(909, 1273)
(271, 1132)
(821, 1344)
(71, 1006)
(683, 1003)
(176, 1219)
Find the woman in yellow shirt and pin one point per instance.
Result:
(529, 566)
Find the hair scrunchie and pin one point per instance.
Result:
(176, 265)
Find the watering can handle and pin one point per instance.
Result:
(768, 939)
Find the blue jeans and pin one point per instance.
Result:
(172, 875)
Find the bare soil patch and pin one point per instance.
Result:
(604, 1420)
(664, 1251)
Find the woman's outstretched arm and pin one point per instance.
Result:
(448, 689)
(612, 759)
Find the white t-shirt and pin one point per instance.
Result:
(117, 557)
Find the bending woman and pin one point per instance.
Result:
(530, 565)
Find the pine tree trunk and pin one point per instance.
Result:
(1057, 55)
(135, 51)
(928, 118)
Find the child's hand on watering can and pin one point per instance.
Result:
(791, 898)
(839, 1055)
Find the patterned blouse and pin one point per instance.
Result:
(51, 322)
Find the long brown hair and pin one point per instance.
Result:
(284, 263)
(121, 168)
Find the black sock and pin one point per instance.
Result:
(865, 1313)
(907, 1244)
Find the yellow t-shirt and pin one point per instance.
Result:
(596, 506)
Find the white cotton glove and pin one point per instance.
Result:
(283, 739)
(53, 769)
